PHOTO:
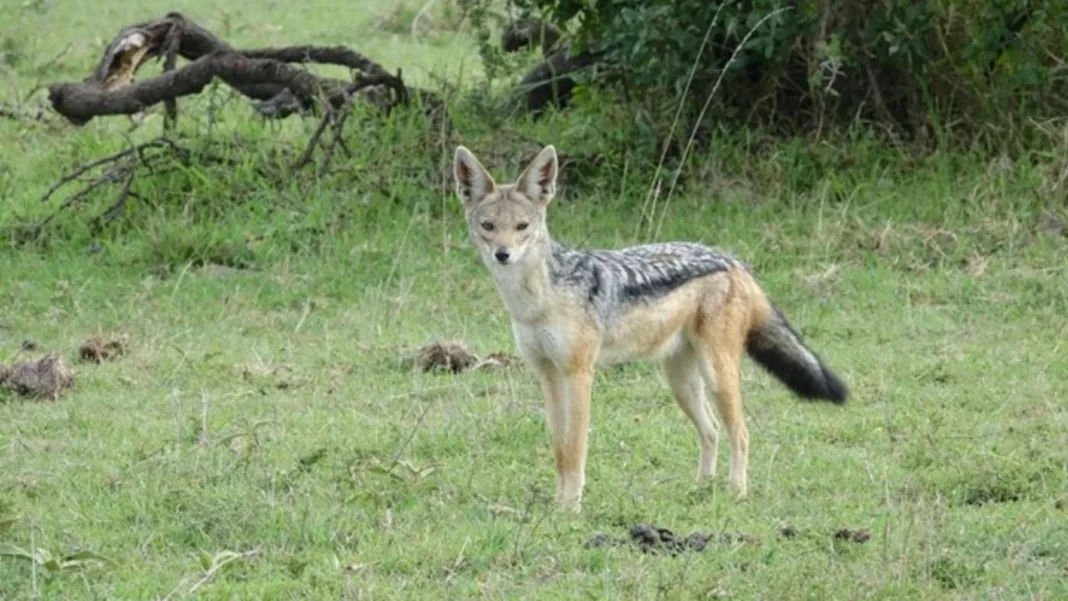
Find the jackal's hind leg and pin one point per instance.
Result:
(683, 372)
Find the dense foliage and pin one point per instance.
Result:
(924, 68)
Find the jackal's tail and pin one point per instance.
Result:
(775, 345)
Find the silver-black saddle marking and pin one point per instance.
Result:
(635, 274)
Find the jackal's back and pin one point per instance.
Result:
(634, 274)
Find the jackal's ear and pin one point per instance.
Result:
(538, 180)
(473, 182)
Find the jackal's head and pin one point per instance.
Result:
(506, 221)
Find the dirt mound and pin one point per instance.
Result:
(46, 378)
(99, 350)
(455, 356)
(657, 539)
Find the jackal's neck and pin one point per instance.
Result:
(527, 289)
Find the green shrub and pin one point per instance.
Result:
(971, 67)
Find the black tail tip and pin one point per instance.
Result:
(833, 389)
(801, 370)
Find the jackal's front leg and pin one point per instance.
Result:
(572, 468)
(567, 410)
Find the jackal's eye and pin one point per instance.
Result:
(522, 226)
(486, 225)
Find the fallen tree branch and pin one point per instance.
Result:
(80, 102)
(275, 79)
(266, 75)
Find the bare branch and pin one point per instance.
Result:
(266, 75)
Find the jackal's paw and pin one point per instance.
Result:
(569, 503)
(738, 489)
(705, 475)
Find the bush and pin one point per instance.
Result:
(922, 68)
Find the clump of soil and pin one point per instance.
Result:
(657, 539)
(496, 360)
(280, 377)
(858, 536)
(446, 355)
(99, 350)
(455, 356)
(46, 378)
(654, 539)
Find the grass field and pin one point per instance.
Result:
(262, 439)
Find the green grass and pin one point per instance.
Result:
(262, 404)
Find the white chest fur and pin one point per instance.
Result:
(524, 296)
(547, 340)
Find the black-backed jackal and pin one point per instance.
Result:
(689, 306)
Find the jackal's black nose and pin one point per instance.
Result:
(502, 255)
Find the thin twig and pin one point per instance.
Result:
(419, 15)
(66, 179)
(77, 197)
(55, 59)
(305, 157)
(528, 510)
(170, 49)
(9, 112)
(339, 128)
(704, 109)
(654, 186)
(119, 206)
(411, 435)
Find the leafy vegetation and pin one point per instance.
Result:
(957, 68)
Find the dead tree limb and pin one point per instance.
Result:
(266, 75)
(275, 79)
(80, 102)
(170, 61)
(306, 156)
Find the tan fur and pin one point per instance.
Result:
(698, 331)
